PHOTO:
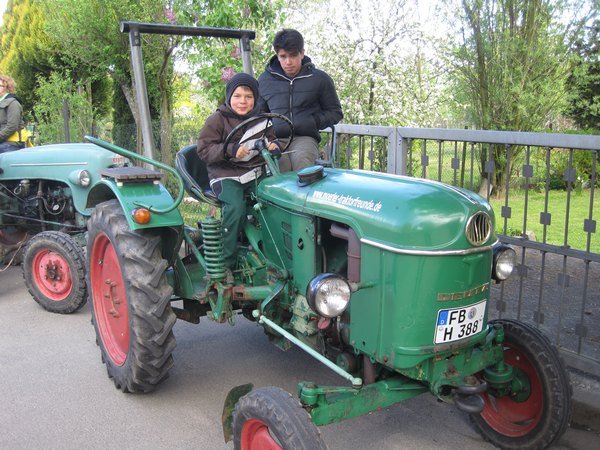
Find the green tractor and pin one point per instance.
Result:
(384, 279)
(43, 211)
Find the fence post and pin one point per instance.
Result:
(397, 151)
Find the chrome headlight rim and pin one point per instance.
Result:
(81, 177)
(504, 262)
(84, 177)
(317, 298)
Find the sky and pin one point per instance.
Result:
(2, 8)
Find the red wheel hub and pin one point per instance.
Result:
(52, 275)
(256, 436)
(507, 416)
(109, 299)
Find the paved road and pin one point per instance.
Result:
(55, 394)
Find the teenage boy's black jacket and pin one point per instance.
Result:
(309, 99)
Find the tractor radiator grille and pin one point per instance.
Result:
(479, 228)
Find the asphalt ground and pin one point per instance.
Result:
(55, 394)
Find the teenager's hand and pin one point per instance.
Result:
(273, 147)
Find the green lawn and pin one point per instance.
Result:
(579, 210)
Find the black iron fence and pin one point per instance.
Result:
(543, 189)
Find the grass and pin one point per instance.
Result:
(579, 211)
(193, 211)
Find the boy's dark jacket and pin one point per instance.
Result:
(210, 143)
(309, 99)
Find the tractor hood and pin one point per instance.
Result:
(403, 212)
(56, 162)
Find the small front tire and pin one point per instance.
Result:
(270, 418)
(540, 419)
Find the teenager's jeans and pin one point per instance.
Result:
(303, 152)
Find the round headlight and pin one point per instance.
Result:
(328, 294)
(505, 260)
(80, 177)
(84, 178)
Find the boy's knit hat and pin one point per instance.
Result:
(241, 79)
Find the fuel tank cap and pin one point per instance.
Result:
(310, 174)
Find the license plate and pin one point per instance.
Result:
(459, 323)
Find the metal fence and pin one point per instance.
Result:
(543, 189)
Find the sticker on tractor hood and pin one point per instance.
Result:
(347, 200)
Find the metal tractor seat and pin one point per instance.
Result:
(195, 176)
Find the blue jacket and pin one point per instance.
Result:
(309, 99)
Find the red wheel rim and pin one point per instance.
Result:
(509, 417)
(256, 436)
(109, 299)
(52, 275)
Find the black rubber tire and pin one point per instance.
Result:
(139, 278)
(68, 263)
(552, 391)
(287, 421)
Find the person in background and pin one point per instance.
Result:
(11, 115)
(293, 87)
(233, 170)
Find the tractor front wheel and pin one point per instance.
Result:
(270, 418)
(537, 415)
(130, 297)
(54, 272)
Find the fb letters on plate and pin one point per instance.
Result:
(459, 323)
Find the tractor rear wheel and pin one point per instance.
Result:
(270, 418)
(537, 416)
(54, 272)
(130, 296)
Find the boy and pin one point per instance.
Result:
(241, 94)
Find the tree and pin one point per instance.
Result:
(380, 57)
(26, 51)
(584, 82)
(511, 68)
(216, 60)
(106, 50)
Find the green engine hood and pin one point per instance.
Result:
(403, 212)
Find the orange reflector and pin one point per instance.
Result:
(141, 215)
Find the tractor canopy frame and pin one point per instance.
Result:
(135, 30)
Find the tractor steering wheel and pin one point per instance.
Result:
(263, 116)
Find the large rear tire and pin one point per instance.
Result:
(539, 418)
(270, 418)
(130, 296)
(54, 272)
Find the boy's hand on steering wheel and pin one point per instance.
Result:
(242, 152)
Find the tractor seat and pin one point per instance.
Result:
(195, 176)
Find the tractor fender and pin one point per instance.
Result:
(132, 196)
(168, 224)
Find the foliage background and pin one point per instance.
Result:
(527, 65)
